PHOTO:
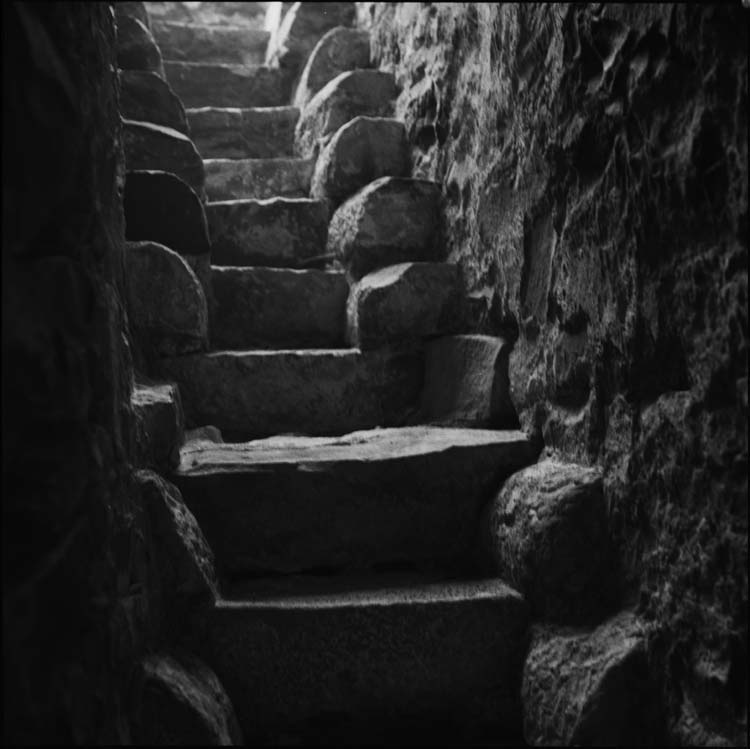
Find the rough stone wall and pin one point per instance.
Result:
(73, 612)
(594, 167)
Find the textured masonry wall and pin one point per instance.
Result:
(594, 162)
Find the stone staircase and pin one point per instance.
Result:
(298, 299)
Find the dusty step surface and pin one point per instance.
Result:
(410, 662)
(232, 179)
(307, 391)
(373, 498)
(277, 232)
(203, 84)
(190, 42)
(277, 308)
(243, 133)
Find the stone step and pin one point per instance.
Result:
(407, 496)
(232, 179)
(277, 308)
(202, 84)
(145, 97)
(159, 424)
(235, 133)
(277, 232)
(256, 393)
(415, 663)
(188, 42)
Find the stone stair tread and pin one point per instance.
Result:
(257, 178)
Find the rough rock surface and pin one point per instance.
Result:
(134, 10)
(153, 147)
(358, 92)
(145, 97)
(136, 48)
(178, 700)
(300, 30)
(384, 496)
(466, 383)
(591, 688)
(247, 14)
(235, 133)
(159, 425)
(277, 308)
(160, 207)
(166, 303)
(595, 168)
(201, 84)
(360, 152)
(548, 538)
(339, 50)
(403, 303)
(231, 179)
(390, 221)
(279, 232)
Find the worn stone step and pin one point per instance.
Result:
(159, 425)
(189, 42)
(258, 393)
(136, 47)
(277, 232)
(232, 179)
(214, 13)
(236, 133)
(407, 496)
(145, 97)
(416, 663)
(277, 308)
(203, 84)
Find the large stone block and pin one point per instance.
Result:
(339, 50)
(232, 179)
(159, 425)
(153, 147)
(301, 28)
(466, 383)
(278, 232)
(209, 84)
(145, 97)
(549, 538)
(591, 688)
(178, 700)
(277, 308)
(254, 133)
(160, 207)
(134, 10)
(404, 302)
(349, 95)
(166, 303)
(390, 221)
(359, 153)
(191, 42)
(136, 48)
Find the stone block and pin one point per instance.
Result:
(145, 97)
(136, 48)
(159, 425)
(232, 179)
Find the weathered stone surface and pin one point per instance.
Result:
(404, 302)
(256, 133)
(179, 700)
(232, 179)
(360, 152)
(136, 48)
(160, 207)
(385, 496)
(202, 43)
(390, 221)
(277, 308)
(299, 32)
(466, 383)
(278, 232)
(159, 425)
(145, 97)
(349, 95)
(153, 147)
(207, 433)
(310, 391)
(548, 537)
(409, 664)
(247, 14)
(134, 10)
(339, 50)
(166, 303)
(206, 84)
(591, 688)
